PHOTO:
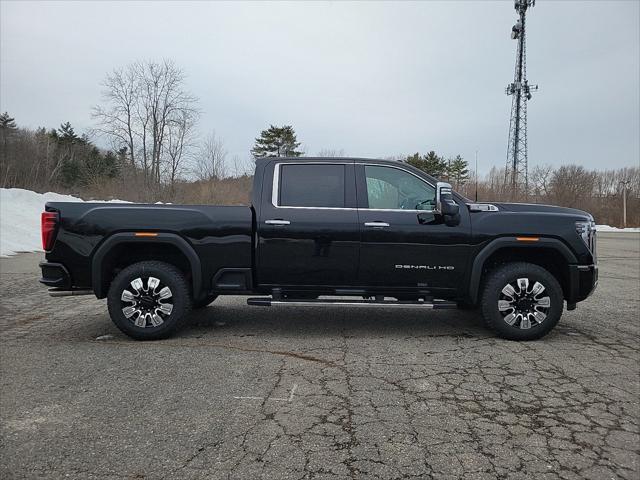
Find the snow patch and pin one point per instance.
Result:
(607, 228)
(20, 218)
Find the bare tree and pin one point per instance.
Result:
(144, 104)
(540, 178)
(242, 166)
(571, 185)
(606, 183)
(164, 102)
(118, 118)
(211, 159)
(180, 141)
(496, 183)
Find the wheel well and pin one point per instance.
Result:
(548, 258)
(124, 254)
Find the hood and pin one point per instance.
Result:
(539, 208)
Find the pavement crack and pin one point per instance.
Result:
(296, 355)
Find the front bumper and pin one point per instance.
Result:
(583, 280)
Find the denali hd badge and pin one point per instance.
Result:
(426, 267)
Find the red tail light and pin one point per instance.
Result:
(48, 224)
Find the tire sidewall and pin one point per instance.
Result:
(509, 273)
(169, 276)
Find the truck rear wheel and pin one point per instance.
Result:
(522, 301)
(149, 300)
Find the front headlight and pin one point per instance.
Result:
(587, 231)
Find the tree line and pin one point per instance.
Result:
(145, 145)
(596, 191)
(599, 192)
(453, 170)
(46, 159)
(151, 149)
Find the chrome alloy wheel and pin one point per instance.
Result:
(147, 306)
(523, 306)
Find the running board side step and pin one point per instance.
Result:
(68, 293)
(270, 302)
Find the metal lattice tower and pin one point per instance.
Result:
(516, 171)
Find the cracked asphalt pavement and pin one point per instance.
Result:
(249, 392)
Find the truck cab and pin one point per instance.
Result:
(365, 225)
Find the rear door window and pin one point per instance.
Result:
(311, 185)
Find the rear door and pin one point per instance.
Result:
(404, 244)
(308, 232)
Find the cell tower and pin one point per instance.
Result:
(516, 171)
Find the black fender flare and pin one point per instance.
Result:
(506, 242)
(157, 237)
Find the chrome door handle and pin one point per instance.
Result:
(376, 224)
(277, 222)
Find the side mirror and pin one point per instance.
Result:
(446, 205)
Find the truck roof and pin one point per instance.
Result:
(376, 161)
(330, 159)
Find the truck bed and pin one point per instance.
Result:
(221, 236)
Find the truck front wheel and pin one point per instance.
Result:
(522, 301)
(149, 300)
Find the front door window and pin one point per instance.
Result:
(390, 188)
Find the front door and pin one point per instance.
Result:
(308, 231)
(404, 244)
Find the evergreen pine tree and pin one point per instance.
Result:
(434, 165)
(66, 133)
(70, 171)
(53, 134)
(459, 171)
(7, 124)
(8, 128)
(455, 169)
(276, 142)
(110, 163)
(415, 160)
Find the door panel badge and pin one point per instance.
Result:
(424, 267)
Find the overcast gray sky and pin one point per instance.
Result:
(374, 79)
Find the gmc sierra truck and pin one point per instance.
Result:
(326, 232)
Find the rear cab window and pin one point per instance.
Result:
(311, 185)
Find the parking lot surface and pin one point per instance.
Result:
(248, 392)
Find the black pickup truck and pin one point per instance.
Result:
(326, 232)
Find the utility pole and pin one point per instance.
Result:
(516, 170)
(476, 175)
(624, 184)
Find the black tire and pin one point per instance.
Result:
(509, 315)
(146, 304)
(208, 300)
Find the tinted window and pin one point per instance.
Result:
(311, 185)
(392, 188)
